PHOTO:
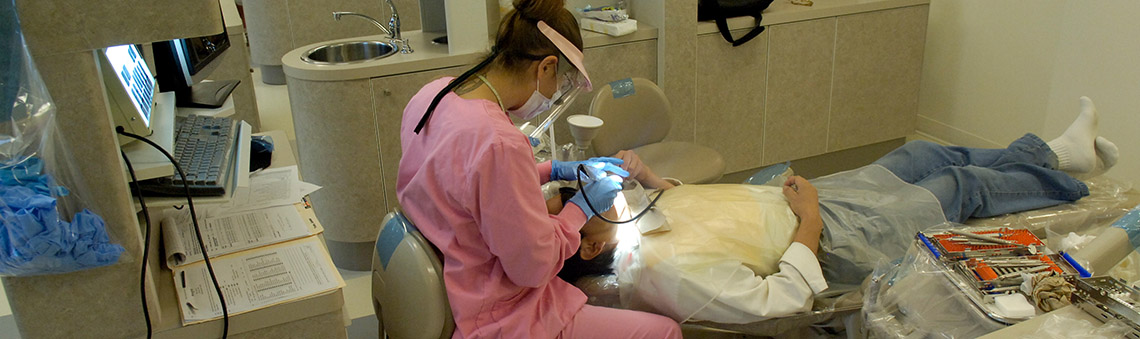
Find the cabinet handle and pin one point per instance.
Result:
(386, 92)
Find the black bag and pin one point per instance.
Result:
(721, 10)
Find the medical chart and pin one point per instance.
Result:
(234, 232)
(255, 279)
(267, 188)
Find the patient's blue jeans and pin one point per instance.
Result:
(974, 182)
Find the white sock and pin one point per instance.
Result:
(1107, 152)
(1076, 149)
(1106, 156)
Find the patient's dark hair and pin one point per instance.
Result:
(575, 267)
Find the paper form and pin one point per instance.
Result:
(232, 232)
(255, 279)
(269, 187)
(307, 188)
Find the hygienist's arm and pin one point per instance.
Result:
(544, 168)
(512, 218)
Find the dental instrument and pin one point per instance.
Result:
(985, 238)
(1018, 273)
(582, 169)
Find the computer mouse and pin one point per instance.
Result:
(260, 152)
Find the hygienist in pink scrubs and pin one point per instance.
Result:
(468, 181)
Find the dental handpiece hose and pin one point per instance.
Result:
(586, 197)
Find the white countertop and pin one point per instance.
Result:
(783, 11)
(426, 56)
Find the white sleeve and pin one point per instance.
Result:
(745, 297)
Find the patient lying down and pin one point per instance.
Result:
(744, 253)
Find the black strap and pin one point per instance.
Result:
(722, 25)
(451, 86)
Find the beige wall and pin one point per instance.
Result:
(995, 70)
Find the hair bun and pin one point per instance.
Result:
(539, 9)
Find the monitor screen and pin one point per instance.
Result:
(180, 63)
(134, 77)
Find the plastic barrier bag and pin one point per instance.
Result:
(38, 187)
(913, 298)
(774, 175)
(1064, 324)
(1106, 202)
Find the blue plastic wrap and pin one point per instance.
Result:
(1130, 223)
(772, 175)
(34, 239)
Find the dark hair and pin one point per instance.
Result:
(566, 193)
(518, 41)
(575, 267)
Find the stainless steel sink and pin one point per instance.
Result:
(348, 52)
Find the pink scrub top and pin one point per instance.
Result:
(469, 183)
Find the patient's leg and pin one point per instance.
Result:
(917, 160)
(972, 191)
(973, 182)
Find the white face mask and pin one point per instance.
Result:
(536, 104)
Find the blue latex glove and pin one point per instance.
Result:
(601, 193)
(36, 241)
(565, 170)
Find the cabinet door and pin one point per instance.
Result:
(390, 95)
(336, 141)
(800, 58)
(878, 62)
(729, 115)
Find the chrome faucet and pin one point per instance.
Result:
(394, 21)
(393, 29)
(338, 15)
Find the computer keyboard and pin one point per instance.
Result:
(204, 147)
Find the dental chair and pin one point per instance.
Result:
(647, 109)
(407, 283)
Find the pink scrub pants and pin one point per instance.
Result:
(603, 322)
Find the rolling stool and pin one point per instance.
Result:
(407, 283)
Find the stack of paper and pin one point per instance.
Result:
(262, 244)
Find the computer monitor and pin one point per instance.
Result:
(182, 64)
(130, 88)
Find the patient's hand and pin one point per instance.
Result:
(804, 201)
(640, 172)
(802, 196)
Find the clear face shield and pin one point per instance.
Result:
(573, 81)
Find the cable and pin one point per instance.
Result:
(146, 244)
(194, 219)
(451, 86)
(582, 169)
